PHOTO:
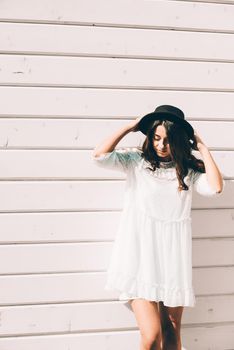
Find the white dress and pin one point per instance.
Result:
(152, 252)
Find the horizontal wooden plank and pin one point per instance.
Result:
(215, 223)
(120, 73)
(114, 42)
(91, 103)
(87, 133)
(215, 336)
(75, 257)
(218, 337)
(169, 14)
(113, 340)
(95, 316)
(86, 195)
(62, 165)
(89, 286)
(97, 226)
(213, 1)
(216, 247)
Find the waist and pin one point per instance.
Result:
(165, 220)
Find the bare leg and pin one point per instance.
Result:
(171, 326)
(148, 320)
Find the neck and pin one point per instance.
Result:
(167, 164)
(165, 159)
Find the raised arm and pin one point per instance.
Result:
(108, 145)
(213, 173)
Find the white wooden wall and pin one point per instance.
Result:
(72, 72)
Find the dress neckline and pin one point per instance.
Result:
(168, 164)
(162, 165)
(164, 172)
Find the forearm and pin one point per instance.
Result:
(108, 145)
(213, 174)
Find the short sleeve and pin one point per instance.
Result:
(202, 186)
(118, 159)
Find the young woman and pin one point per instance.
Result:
(151, 261)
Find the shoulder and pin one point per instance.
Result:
(132, 154)
(194, 175)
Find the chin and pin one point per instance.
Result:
(163, 156)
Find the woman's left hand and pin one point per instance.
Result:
(200, 143)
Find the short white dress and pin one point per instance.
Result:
(151, 256)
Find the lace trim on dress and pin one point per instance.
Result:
(166, 171)
(169, 164)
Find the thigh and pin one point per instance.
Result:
(147, 317)
(170, 315)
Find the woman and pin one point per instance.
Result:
(151, 261)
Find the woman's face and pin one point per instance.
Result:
(160, 143)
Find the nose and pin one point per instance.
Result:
(161, 144)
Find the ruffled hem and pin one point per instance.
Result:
(132, 288)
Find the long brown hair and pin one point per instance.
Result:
(180, 147)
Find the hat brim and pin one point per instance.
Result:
(149, 118)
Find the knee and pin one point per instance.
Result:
(149, 341)
(172, 324)
(176, 324)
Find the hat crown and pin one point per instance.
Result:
(165, 112)
(168, 109)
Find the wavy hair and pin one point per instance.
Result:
(180, 148)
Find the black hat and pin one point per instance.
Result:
(167, 112)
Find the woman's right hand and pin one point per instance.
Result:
(109, 144)
(133, 125)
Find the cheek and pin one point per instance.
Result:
(155, 143)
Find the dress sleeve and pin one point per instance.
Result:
(202, 186)
(118, 159)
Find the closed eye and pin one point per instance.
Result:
(157, 139)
